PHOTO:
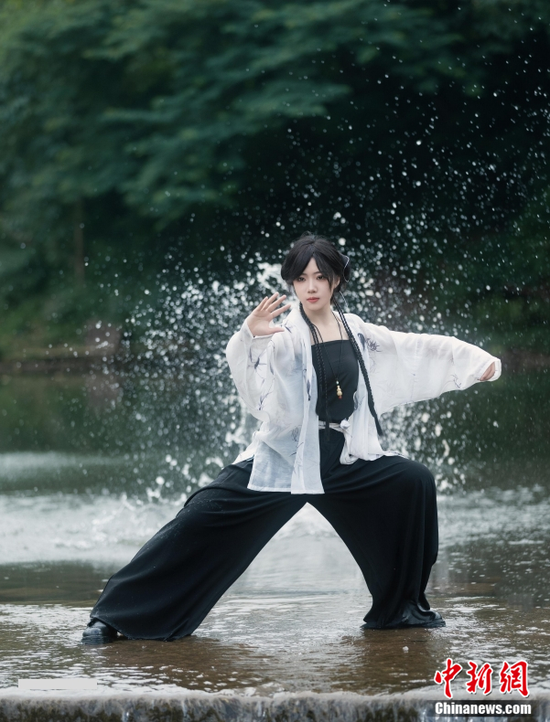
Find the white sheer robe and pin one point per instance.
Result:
(276, 380)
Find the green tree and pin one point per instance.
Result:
(416, 129)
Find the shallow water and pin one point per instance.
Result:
(72, 515)
(292, 622)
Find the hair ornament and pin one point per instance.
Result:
(346, 272)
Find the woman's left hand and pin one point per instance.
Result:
(489, 373)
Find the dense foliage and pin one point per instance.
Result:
(210, 130)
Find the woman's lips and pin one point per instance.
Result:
(312, 300)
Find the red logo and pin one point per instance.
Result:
(511, 676)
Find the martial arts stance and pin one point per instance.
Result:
(317, 382)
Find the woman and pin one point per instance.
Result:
(317, 382)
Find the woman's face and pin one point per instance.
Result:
(313, 290)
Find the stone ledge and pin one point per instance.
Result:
(193, 707)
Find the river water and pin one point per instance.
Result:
(92, 465)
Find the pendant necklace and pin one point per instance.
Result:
(336, 375)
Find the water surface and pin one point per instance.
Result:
(77, 501)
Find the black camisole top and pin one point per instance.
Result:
(337, 358)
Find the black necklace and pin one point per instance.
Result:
(336, 375)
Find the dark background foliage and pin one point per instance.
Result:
(140, 135)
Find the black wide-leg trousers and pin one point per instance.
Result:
(385, 512)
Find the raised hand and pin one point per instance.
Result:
(268, 309)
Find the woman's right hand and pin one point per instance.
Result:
(260, 318)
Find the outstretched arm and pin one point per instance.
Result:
(407, 367)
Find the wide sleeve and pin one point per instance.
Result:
(250, 362)
(408, 367)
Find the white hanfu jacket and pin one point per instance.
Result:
(276, 380)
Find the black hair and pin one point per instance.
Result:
(335, 266)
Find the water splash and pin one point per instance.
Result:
(184, 403)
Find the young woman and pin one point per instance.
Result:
(318, 383)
